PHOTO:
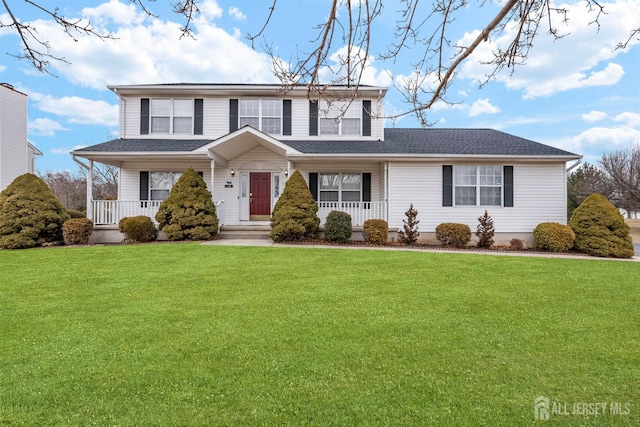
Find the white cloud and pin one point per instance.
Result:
(594, 116)
(631, 119)
(482, 106)
(605, 138)
(237, 14)
(65, 150)
(45, 127)
(148, 49)
(77, 110)
(584, 58)
(370, 74)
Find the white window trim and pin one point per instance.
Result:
(340, 188)
(261, 116)
(337, 113)
(478, 185)
(174, 178)
(171, 116)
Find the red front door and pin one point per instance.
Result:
(260, 193)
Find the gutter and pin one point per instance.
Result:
(578, 161)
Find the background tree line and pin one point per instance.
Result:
(71, 188)
(617, 177)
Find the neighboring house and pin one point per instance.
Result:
(247, 139)
(17, 155)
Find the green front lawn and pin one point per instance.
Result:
(188, 334)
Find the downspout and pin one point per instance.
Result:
(89, 169)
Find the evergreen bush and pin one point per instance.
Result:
(516, 244)
(452, 234)
(295, 213)
(552, 236)
(485, 231)
(30, 214)
(76, 214)
(77, 231)
(138, 229)
(338, 227)
(375, 231)
(189, 212)
(409, 234)
(600, 229)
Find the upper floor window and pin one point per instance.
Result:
(171, 115)
(477, 185)
(340, 119)
(262, 114)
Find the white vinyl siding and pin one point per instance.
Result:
(129, 188)
(14, 159)
(538, 191)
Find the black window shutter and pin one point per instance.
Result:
(313, 184)
(144, 116)
(447, 185)
(286, 117)
(508, 186)
(366, 118)
(366, 187)
(313, 118)
(201, 174)
(198, 108)
(144, 185)
(233, 115)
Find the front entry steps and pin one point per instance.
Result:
(245, 232)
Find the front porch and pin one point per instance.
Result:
(110, 212)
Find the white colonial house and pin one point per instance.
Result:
(246, 139)
(17, 154)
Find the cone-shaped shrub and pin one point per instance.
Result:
(295, 213)
(485, 231)
(409, 235)
(600, 229)
(30, 214)
(189, 212)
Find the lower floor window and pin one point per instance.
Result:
(478, 185)
(339, 187)
(161, 184)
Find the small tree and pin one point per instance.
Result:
(30, 214)
(295, 213)
(410, 234)
(600, 229)
(485, 231)
(189, 211)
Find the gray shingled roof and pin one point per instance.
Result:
(397, 141)
(146, 145)
(436, 142)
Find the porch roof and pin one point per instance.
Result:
(414, 143)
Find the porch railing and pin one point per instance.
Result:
(110, 212)
(359, 211)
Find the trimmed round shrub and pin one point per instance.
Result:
(77, 231)
(375, 231)
(138, 229)
(453, 234)
(189, 212)
(552, 236)
(338, 227)
(30, 214)
(76, 214)
(295, 214)
(600, 229)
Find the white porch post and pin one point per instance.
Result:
(386, 189)
(213, 170)
(288, 170)
(90, 191)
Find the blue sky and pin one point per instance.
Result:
(577, 93)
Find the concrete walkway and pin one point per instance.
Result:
(268, 242)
